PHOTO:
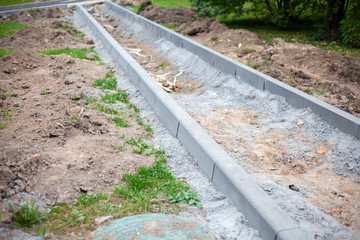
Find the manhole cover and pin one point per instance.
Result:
(151, 227)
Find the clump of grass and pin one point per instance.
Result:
(171, 26)
(214, 38)
(120, 122)
(120, 96)
(27, 216)
(8, 28)
(80, 53)
(108, 82)
(14, 2)
(4, 52)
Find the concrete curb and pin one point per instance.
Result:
(9, 10)
(262, 212)
(298, 99)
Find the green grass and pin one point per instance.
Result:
(172, 3)
(14, 2)
(68, 27)
(80, 53)
(4, 52)
(166, 3)
(301, 32)
(171, 26)
(8, 28)
(108, 82)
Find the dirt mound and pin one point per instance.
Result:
(163, 15)
(204, 25)
(32, 15)
(40, 38)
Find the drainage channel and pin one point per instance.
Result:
(290, 152)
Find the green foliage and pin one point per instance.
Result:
(27, 216)
(211, 8)
(8, 28)
(4, 52)
(108, 82)
(150, 182)
(350, 27)
(120, 96)
(120, 122)
(14, 2)
(80, 53)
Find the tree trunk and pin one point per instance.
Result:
(335, 13)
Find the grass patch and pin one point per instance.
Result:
(8, 28)
(172, 3)
(171, 26)
(4, 52)
(120, 96)
(80, 53)
(301, 32)
(166, 3)
(108, 82)
(14, 2)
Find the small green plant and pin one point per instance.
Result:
(311, 90)
(90, 100)
(6, 113)
(27, 216)
(204, 44)
(46, 93)
(3, 125)
(251, 64)
(73, 119)
(214, 38)
(108, 82)
(163, 65)
(120, 122)
(120, 96)
(133, 106)
(147, 128)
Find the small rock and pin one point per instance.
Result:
(25, 86)
(14, 94)
(294, 188)
(299, 123)
(2, 96)
(16, 105)
(103, 219)
(320, 151)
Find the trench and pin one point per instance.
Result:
(308, 167)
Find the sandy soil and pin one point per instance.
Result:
(54, 147)
(331, 77)
(263, 153)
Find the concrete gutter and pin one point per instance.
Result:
(9, 10)
(298, 99)
(261, 211)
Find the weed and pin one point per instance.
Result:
(147, 128)
(120, 96)
(311, 90)
(251, 64)
(163, 65)
(3, 125)
(108, 82)
(27, 216)
(73, 119)
(90, 100)
(214, 38)
(46, 93)
(204, 44)
(120, 122)
(139, 143)
(131, 105)
(222, 52)
(171, 26)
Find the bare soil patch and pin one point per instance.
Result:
(54, 147)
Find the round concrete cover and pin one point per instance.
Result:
(152, 227)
